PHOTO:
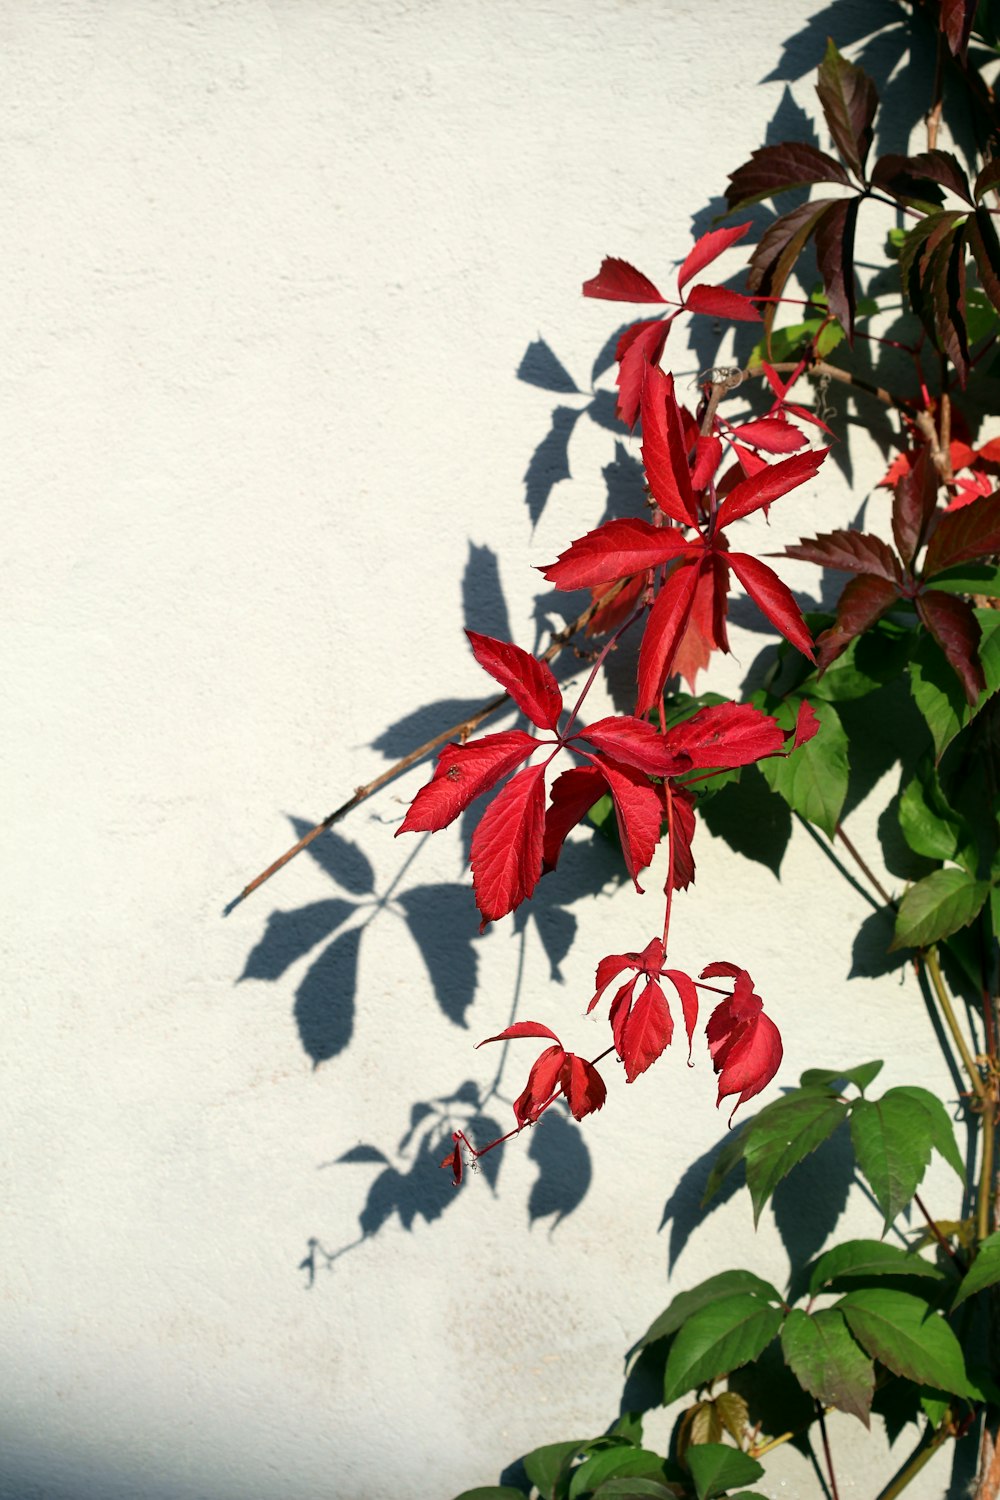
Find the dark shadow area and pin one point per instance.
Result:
(750, 819)
(559, 1151)
(683, 1210)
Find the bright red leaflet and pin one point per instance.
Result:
(664, 449)
(528, 681)
(618, 549)
(639, 347)
(507, 845)
(708, 248)
(617, 281)
(720, 302)
(462, 773)
(744, 1043)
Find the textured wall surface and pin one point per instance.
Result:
(295, 375)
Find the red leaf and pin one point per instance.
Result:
(583, 1086)
(637, 811)
(609, 968)
(953, 624)
(664, 451)
(687, 990)
(619, 1012)
(722, 969)
(849, 101)
(750, 463)
(617, 281)
(665, 627)
(907, 176)
(834, 240)
(519, 1029)
(507, 845)
(646, 1032)
(708, 248)
(863, 601)
(618, 549)
(745, 1046)
(454, 1161)
(608, 617)
(634, 742)
(773, 598)
(528, 681)
(700, 639)
(773, 434)
(956, 23)
(726, 735)
(851, 552)
(708, 456)
(572, 796)
(683, 828)
(541, 1085)
(965, 534)
(720, 302)
(773, 169)
(806, 725)
(982, 240)
(462, 773)
(639, 346)
(914, 499)
(780, 246)
(776, 480)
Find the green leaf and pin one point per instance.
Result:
(543, 1465)
(936, 689)
(718, 1339)
(861, 1076)
(602, 816)
(715, 1468)
(935, 1408)
(782, 1134)
(908, 1336)
(492, 1492)
(995, 910)
(971, 578)
(984, 1271)
(725, 1162)
(613, 1463)
(813, 779)
(686, 1304)
(870, 661)
(636, 1487)
(892, 1139)
(865, 1258)
(936, 907)
(789, 342)
(929, 825)
(828, 1362)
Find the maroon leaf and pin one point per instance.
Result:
(773, 434)
(683, 824)
(665, 627)
(462, 773)
(618, 549)
(849, 101)
(914, 500)
(907, 176)
(963, 535)
(946, 281)
(528, 681)
(851, 552)
(617, 281)
(583, 1086)
(988, 178)
(635, 742)
(776, 480)
(863, 601)
(953, 624)
(507, 845)
(664, 451)
(779, 248)
(835, 257)
(519, 1029)
(774, 169)
(720, 302)
(572, 796)
(726, 735)
(637, 812)
(956, 23)
(982, 239)
(706, 249)
(541, 1085)
(454, 1161)
(774, 599)
(686, 989)
(639, 346)
(647, 1030)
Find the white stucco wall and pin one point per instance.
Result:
(270, 273)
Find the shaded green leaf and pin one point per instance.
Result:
(813, 779)
(973, 578)
(908, 1336)
(828, 1362)
(928, 824)
(636, 1487)
(715, 1468)
(984, 1271)
(782, 1135)
(867, 1258)
(942, 1129)
(613, 1463)
(937, 691)
(685, 1304)
(727, 1160)
(892, 1147)
(543, 1465)
(492, 1492)
(861, 1076)
(717, 1339)
(937, 906)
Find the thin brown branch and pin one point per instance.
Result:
(819, 368)
(864, 868)
(461, 730)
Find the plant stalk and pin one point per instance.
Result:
(944, 1001)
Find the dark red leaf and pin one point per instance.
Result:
(664, 451)
(617, 281)
(982, 241)
(720, 302)
(774, 169)
(668, 620)
(615, 612)
(637, 811)
(779, 248)
(683, 826)
(462, 773)
(618, 549)
(687, 990)
(907, 176)
(639, 346)
(914, 500)
(849, 99)
(726, 735)
(541, 1085)
(956, 23)
(849, 551)
(708, 248)
(528, 681)
(572, 796)
(634, 742)
(699, 640)
(774, 599)
(863, 601)
(988, 178)
(520, 1029)
(776, 480)
(582, 1085)
(773, 434)
(965, 535)
(946, 279)
(646, 1032)
(454, 1161)
(834, 236)
(953, 624)
(507, 845)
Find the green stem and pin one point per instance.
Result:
(984, 1196)
(923, 1455)
(944, 1001)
